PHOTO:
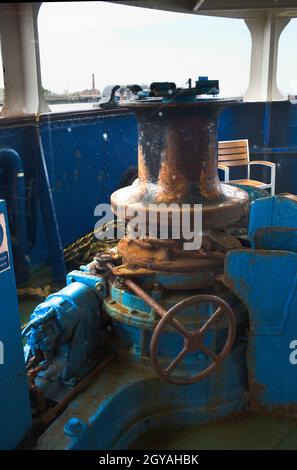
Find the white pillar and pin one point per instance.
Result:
(265, 32)
(21, 62)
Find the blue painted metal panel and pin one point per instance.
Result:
(127, 401)
(15, 413)
(266, 281)
(142, 405)
(85, 160)
(86, 157)
(276, 238)
(49, 216)
(243, 121)
(273, 211)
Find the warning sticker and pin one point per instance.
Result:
(4, 253)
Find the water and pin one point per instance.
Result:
(62, 108)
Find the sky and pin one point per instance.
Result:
(124, 44)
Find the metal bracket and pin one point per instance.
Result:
(108, 99)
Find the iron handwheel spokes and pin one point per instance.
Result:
(193, 340)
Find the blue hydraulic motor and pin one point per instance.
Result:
(65, 330)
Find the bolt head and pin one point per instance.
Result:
(74, 427)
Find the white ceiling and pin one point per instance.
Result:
(227, 8)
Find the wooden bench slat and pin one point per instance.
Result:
(234, 162)
(231, 151)
(232, 144)
(258, 184)
(238, 156)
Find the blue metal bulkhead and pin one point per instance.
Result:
(266, 281)
(276, 238)
(15, 412)
(273, 211)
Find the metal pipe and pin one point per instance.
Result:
(146, 297)
(17, 198)
(141, 293)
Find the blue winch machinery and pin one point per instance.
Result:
(152, 334)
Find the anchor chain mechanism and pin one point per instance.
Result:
(177, 181)
(177, 175)
(193, 339)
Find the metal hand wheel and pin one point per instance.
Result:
(193, 339)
